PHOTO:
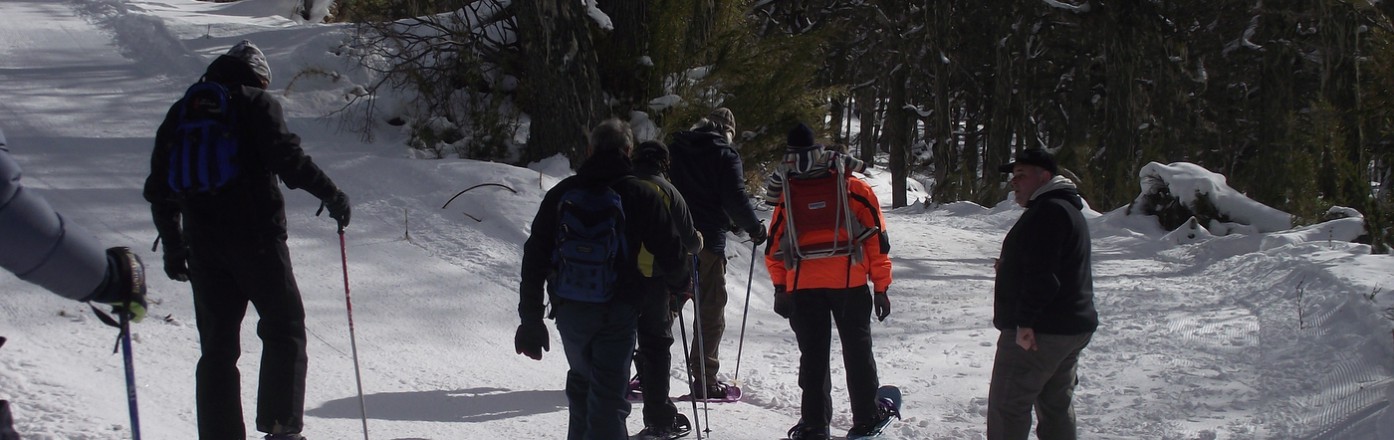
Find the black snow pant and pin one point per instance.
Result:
(654, 358)
(850, 309)
(226, 275)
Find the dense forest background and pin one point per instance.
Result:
(1292, 100)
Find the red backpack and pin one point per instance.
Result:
(819, 222)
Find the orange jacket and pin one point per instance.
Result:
(835, 272)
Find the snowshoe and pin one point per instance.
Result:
(804, 432)
(715, 393)
(635, 392)
(888, 401)
(681, 428)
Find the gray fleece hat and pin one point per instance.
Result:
(248, 52)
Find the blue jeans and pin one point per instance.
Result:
(599, 343)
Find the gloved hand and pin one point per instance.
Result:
(338, 206)
(177, 262)
(677, 300)
(758, 236)
(783, 302)
(532, 339)
(124, 286)
(883, 305)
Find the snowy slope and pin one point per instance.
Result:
(1224, 338)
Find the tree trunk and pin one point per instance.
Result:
(561, 91)
(621, 72)
(899, 131)
(866, 138)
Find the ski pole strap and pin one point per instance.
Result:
(112, 322)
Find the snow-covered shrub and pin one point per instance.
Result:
(1178, 192)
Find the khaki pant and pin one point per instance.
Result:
(1044, 379)
(712, 297)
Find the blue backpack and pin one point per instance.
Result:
(590, 244)
(203, 158)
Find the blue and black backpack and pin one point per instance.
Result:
(203, 158)
(590, 245)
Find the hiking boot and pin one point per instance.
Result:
(680, 428)
(863, 430)
(804, 432)
(715, 390)
(286, 436)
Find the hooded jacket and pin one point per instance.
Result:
(647, 223)
(1044, 276)
(251, 207)
(707, 171)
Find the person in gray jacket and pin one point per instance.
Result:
(43, 248)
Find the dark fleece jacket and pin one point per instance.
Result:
(647, 223)
(1044, 278)
(251, 207)
(708, 172)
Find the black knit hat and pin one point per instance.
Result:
(800, 137)
(1033, 156)
(653, 151)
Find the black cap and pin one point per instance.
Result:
(1033, 156)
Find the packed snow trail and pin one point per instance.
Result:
(1206, 340)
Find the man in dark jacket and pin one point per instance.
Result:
(654, 357)
(707, 171)
(598, 337)
(1044, 305)
(231, 246)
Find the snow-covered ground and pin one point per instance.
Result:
(1266, 336)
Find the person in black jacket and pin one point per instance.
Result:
(654, 358)
(231, 246)
(598, 337)
(707, 171)
(1044, 305)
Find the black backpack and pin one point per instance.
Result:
(203, 159)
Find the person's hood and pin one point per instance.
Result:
(646, 169)
(230, 71)
(811, 161)
(1058, 187)
(697, 142)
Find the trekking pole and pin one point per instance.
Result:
(122, 322)
(687, 356)
(129, 360)
(353, 340)
(697, 336)
(740, 347)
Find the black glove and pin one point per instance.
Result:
(883, 305)
(531, 340)
(124, 286)
(677, 300)
(338, 206)
(758, 236)
(177, 262)
(783, 302)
